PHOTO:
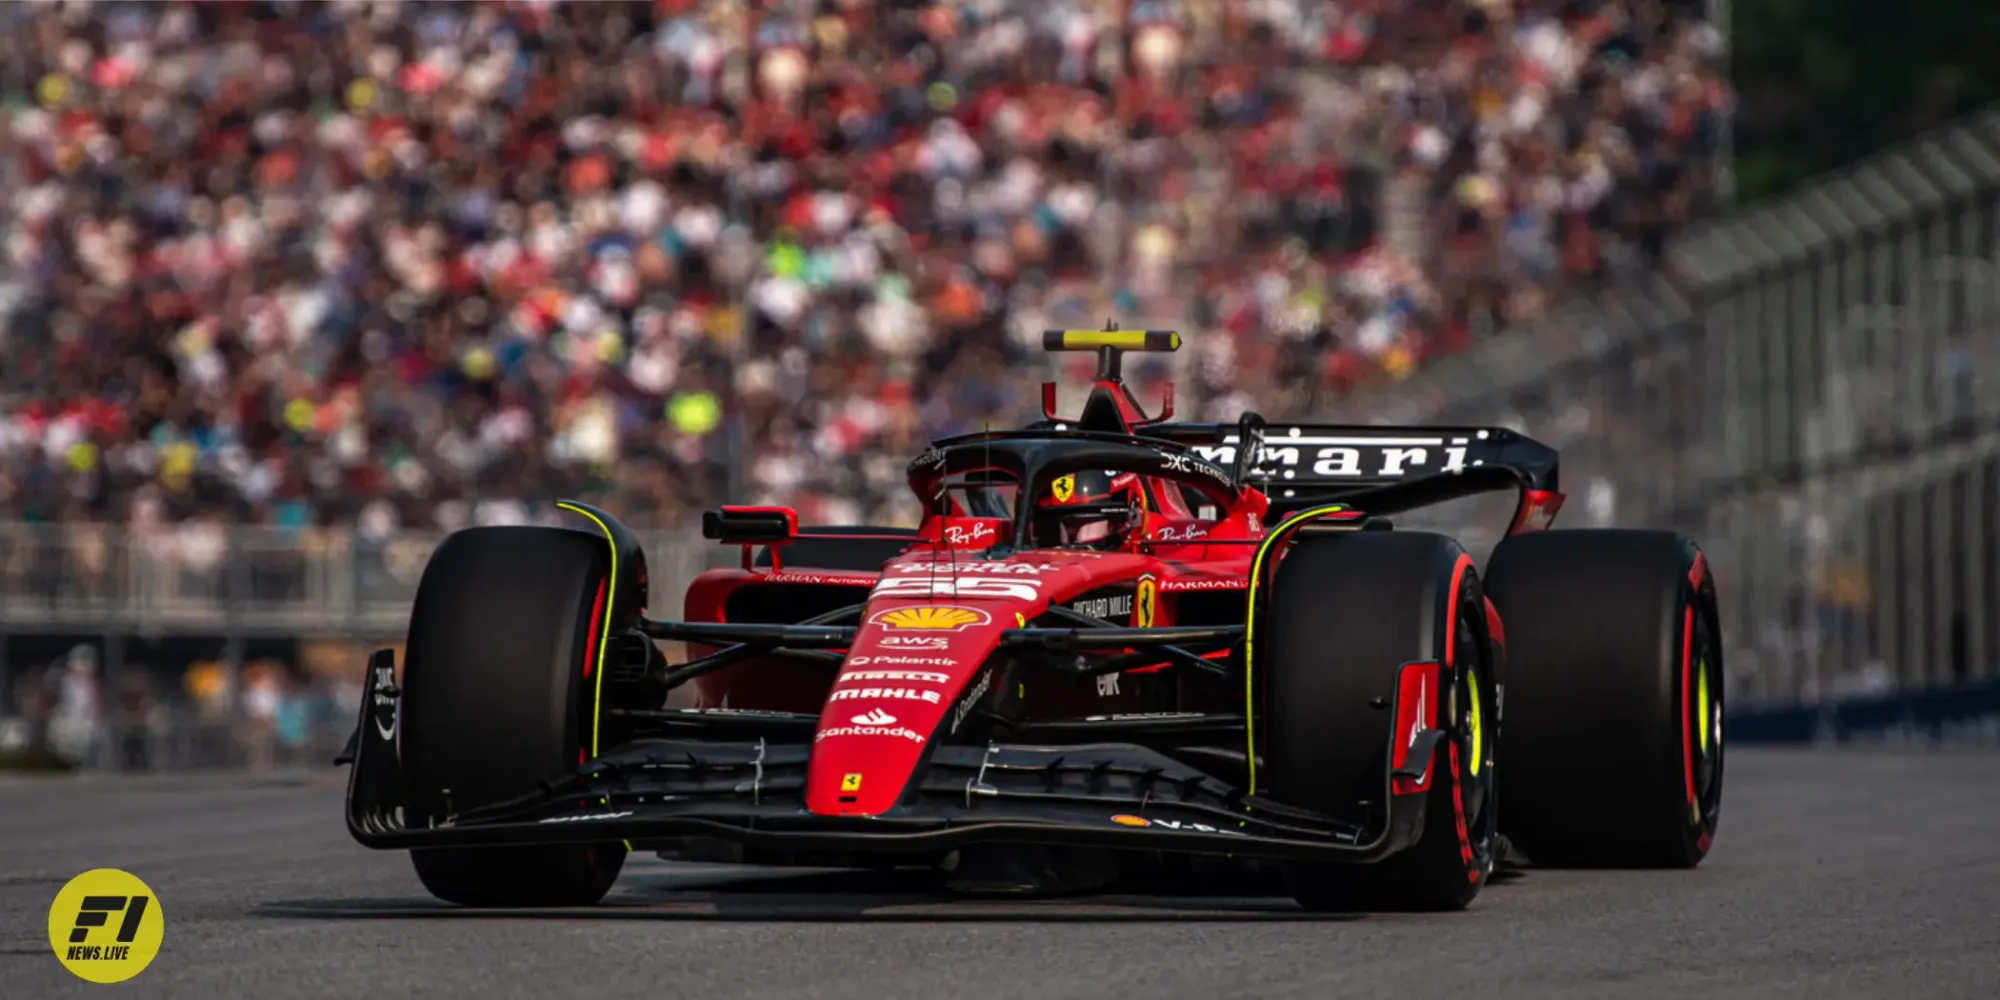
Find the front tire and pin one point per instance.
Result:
(1614, 699)
(496, 699)
(1345, 612)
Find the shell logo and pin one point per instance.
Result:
(930, 618)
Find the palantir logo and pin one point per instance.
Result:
(105, 925)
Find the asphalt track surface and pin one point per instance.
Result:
(1837, 874)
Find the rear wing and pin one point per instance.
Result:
(1288, 460)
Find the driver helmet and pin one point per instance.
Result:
(1092, 508)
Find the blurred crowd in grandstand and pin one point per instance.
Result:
(427, 264)
(267, 716)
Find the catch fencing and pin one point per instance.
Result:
(1815, 397)
(244, 582)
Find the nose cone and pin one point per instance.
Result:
(911, 666)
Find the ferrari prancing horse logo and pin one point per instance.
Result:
(1063, 488)
(1144, 602)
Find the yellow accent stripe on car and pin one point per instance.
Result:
(1701, 702)
(1250, 627)
(603, 640)
(1478, 723)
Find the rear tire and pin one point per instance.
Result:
(1614, 697)
(496, 700)
(1345, 612)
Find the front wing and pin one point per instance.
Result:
(752, 793)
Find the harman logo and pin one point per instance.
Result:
(931, 618)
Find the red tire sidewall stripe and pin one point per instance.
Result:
(1449, 657)
(1451, 619)
(1697, 575)
(590, 651)
(1687, 706)
(1458, 815)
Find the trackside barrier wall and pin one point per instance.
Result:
(154, 614)
(1815, 397)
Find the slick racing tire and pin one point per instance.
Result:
(1345, 612)
(496, 701)
(1614, 697)
(865, 554)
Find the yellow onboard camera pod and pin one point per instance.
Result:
(1110, 343)
(1122, 340)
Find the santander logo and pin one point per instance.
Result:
(875, 717)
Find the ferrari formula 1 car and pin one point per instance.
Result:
(1113, 642)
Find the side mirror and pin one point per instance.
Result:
(751, 527)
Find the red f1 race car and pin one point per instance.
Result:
(1112, 639)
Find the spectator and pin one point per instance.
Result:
(432, 265)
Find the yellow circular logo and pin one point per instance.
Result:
(106, 925)
(1063, 488)
(1128, 820)
(930, 617)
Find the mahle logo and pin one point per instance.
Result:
(106, 925)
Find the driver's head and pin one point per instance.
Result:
(1087, 508)
(1078, 489)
